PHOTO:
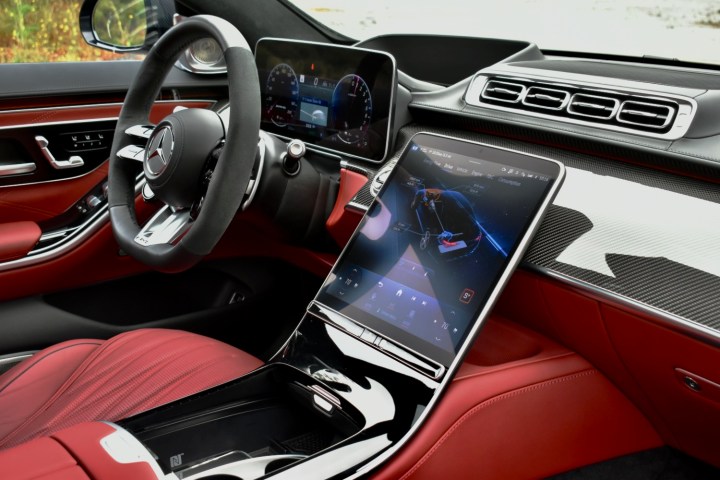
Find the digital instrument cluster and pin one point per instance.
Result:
(335, 98)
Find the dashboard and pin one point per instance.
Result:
(624, 130)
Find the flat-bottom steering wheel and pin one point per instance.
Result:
(178, 152)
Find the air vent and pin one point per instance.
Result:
(547, 98)
(594, 106)
(649, 115)
(640, 112)
(500, 91)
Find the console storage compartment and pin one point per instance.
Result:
(273, 413)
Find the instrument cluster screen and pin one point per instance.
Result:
(332, 97)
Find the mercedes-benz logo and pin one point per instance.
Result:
(159, 150)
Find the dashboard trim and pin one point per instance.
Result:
(676, 323)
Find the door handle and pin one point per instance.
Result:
(16, 169)
(73, 162)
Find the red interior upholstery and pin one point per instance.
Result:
(524, 409)
(651, 354)
(41, 459)
(85, 380)
(342, 222)
(83, 442)
(17, 239)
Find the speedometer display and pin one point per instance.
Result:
(281, 98)
(334, 98)
(352, 108)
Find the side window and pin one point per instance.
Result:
(45, 31)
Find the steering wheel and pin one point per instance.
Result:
(177, 159)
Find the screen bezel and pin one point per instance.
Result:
(553, 169)
(311, 145)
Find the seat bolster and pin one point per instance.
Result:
(128, 374)
(26, 388)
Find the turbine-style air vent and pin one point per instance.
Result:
(645, 114)
(619, 109)
(547, 98)
(501, 91)
(595, 106)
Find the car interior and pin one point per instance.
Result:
(267, 250)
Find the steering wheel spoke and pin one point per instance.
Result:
(166, 226)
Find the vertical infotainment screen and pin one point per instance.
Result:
(332, 97)
(434, 245)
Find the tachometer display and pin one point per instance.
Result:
(281, 95)
(352, 109)
(334, 98)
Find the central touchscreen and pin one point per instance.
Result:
(433, 246)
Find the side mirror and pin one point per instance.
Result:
(125, 25)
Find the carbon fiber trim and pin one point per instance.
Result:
(688, 290)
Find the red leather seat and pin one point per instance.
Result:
(85, 380)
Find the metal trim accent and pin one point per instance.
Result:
(165, 227)
(73, 162)
(16, 358)
(520, 94)
(254, 183)
(668, 118)
(17, 169)
(563, 102)
(573, 102)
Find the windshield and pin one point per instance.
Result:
(688, 30)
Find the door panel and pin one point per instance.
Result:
(64, 102)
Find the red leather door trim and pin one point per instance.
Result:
(42, 201)
(17, 239)
(40, 116)
(95, 260)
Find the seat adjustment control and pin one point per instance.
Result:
(73, 162)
